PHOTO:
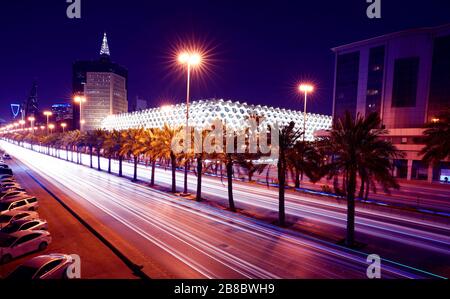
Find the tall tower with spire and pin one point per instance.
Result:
(105, 48)
(104, 84)
(30, 106)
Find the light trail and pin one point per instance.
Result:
(192, 239)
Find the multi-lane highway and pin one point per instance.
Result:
(175, 237)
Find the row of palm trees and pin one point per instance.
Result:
(352, 152)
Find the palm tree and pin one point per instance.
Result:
(132, 146)
(437, 139)
(113, 144)
(149, 151)
(358, 148)
(163, 146)
(288, 137)
(100, 136)
(303, 157)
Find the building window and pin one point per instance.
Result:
(375, 80)
(347, 74)
(405, 82)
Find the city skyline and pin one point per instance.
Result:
(239, 70)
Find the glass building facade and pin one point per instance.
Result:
(375, 80)
(347, 74)
(440, 78)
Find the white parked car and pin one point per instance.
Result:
(19, 204)
(19, 225)
(12, 216)
(51, 266)
(13, 194)
(21, 243)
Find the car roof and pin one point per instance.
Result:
(22, 233)
(41, 260)
(17, 198)
(22, 221)
(15, 212)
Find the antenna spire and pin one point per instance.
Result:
(105, 48)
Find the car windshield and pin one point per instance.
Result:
(5, 218)
(10, 228)
(6, 241)
(23, 272)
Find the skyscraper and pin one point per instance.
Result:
(30, 106)
(104, 84)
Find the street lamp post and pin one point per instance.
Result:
(190, 59)
(80, 100)
(63, 126)
(48, 114)
(22, 123)
(51, 127)
(32, 119)
(305, 88)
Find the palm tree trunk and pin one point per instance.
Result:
(71, 154)
(361, 188)
(90, 155)
(109, 163)
(351, 188)
(174, 169)
(281, 185)
(152, 179)
(230, 184)
(120, 165)
(297, 178)
(186, 166)
(199, 177)
(98, 160)
(135, 168)
(366, 196)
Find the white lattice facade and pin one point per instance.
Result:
(203, 113)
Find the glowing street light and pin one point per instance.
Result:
(48, 114)
(305, 88)
(51, 127)
(32, 119)
(80, 100)
(190, 60)
(22, 123)
(63, 126)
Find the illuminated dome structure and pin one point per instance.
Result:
(204, 112)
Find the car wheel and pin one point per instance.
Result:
(43, 246)
(5, 259)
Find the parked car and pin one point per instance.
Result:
(6, 157)
(51, 266)
(13, 194)
(12, 216)
(9, 184)
(3, 165)
(21, 243)
(21, 204)
(7, 180)
(19, 225)
(6, 176)
(5, 171)
(5, 190)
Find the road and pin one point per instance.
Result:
(175, 237)
(69, 236)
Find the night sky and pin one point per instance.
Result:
(259, 50)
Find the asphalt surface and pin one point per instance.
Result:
(69, 236)
(175, 237)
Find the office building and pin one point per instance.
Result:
(104, 85)
(405, 77)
